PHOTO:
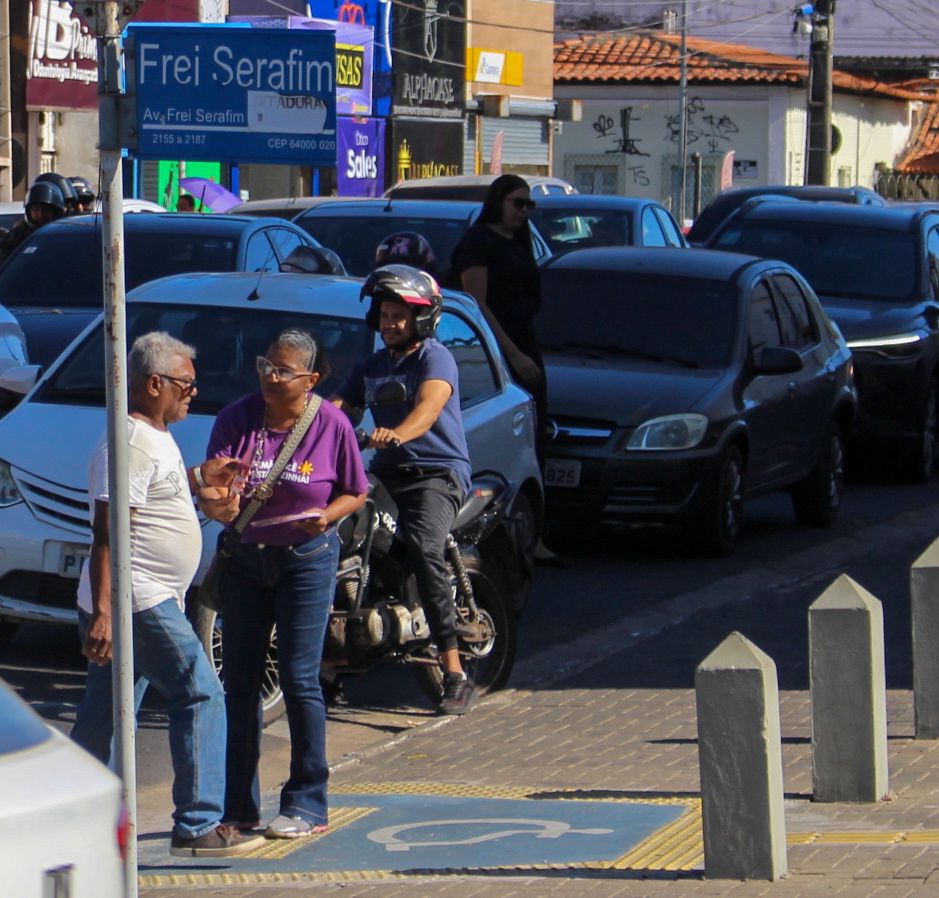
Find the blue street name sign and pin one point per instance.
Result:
(234, 94)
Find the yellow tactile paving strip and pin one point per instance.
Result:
(675, 848)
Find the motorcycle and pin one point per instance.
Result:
(377, 614)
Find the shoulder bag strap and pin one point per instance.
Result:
(262, 492)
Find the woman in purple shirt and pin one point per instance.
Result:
(283, 574)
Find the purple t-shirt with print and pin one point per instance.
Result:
(325, 464)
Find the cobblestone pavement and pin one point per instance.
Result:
(624, 728)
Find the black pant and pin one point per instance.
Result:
(428, 500)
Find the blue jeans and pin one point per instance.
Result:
(169, 654)
(291, 587)
(92, 734)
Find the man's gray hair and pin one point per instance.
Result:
(155, 353)
(302, 341)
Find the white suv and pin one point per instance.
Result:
(46, 441)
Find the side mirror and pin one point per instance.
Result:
(20, 378)
(391, 392)
(777, 360)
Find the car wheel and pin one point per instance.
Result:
(924, 460)
(209, 628)
(720, 526)
(8, 630)
(816, 499)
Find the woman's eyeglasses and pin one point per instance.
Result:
(185, 386)
(266, 368)
(522, 203)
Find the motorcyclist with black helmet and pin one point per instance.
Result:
(313, 260)
(84, 192)
(65, 186)
(406, 248)
(423, 462)
(44, 203)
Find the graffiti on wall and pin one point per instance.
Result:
(714, 131)
(623, 140)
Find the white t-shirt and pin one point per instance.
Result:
(165, 537)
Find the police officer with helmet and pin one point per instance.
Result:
(44, 203)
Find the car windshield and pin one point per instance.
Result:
(227, 342)
(64, 268)
(356, 238)
(569, 228)
(678, 320)
(837, 260)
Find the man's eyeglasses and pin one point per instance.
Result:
(185, 386)
(266, 368)
(521, 203)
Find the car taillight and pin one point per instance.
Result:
(123, 831)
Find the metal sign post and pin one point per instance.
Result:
(108, 19)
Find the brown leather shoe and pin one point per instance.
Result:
(223, 841)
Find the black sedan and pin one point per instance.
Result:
(683, 382)
(52, 283)
(876, 272)
(583, 220)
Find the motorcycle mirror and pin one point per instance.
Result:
(391, 392)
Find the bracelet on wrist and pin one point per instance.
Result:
(199, 479)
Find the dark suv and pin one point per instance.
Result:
(876, 272)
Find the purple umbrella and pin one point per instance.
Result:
(210, 194)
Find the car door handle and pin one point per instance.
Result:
(792, 388)
(518, 423)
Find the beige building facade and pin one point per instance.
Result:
(510, 85)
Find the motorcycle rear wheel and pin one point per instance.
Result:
(490, 671)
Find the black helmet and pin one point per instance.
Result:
(409, 286)
(406, 248)
(46, 193)
(64, 185)
(83, 189)
(314, 260)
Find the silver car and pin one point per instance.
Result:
(46, 441)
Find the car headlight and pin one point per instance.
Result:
(9, 492)
(671, 432)
(894, 345)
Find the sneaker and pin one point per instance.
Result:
(223, 841)
(459, 693)
(284, 827)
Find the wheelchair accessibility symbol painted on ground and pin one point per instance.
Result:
(372, 832)
(390, 836)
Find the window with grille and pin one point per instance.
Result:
(671, 179)
(596, 173)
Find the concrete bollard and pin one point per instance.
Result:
(849, 699)
(924, 606)
(740, 759)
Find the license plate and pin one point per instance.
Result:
(561, 472)
(71, 560)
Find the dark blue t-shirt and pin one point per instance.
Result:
(444, 444)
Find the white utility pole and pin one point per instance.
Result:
(108, 18)
(683, 113)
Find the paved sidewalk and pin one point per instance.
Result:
(621, 734)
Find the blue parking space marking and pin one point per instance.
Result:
(424, 832)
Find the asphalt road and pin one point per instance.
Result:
(605, 594)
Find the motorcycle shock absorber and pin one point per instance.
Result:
(456, 561)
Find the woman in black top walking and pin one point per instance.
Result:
(494, 263)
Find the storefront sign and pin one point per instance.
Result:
(426, 149)
(429, 47)
(376, 14)
(62, 57)
(353, 57)
(361, 157)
